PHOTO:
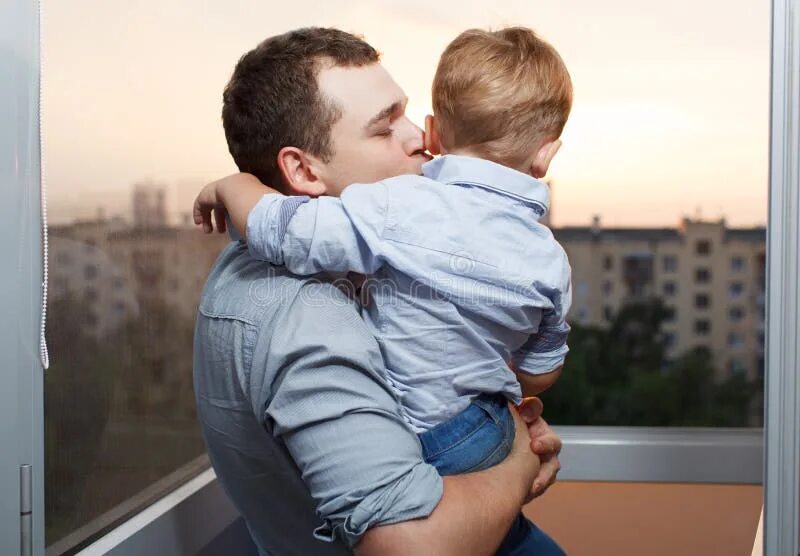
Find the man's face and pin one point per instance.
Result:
(373, 139)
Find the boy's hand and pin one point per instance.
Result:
(209, 201)
(544, 443)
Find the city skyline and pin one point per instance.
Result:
(671, 112)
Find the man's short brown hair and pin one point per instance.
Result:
(500, 94)
(273, 100)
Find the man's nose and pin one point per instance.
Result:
(413, 139)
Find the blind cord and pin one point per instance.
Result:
(44, 355)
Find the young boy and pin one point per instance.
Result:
(469, 292)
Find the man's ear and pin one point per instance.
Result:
(543, 157)
(432, 143)
(299, 173)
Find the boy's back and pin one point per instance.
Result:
(465, 278)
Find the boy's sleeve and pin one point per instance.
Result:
(547, 348)
(311, 235)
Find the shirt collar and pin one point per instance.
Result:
(458, 169)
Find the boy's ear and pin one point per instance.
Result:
(543, 157)
(432, 143)
(299, 173)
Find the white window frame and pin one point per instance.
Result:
(590, 453)
(21, 399)
(782, 392)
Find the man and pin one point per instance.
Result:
(289, 384)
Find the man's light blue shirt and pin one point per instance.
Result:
(463, 276)
(300, 425)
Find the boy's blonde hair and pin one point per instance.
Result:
(499, 94)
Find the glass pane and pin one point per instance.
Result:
(670, 118)
(126, 265)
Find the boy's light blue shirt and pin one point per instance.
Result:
(463, 277)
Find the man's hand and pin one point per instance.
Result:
(544, 442)
(206, 203)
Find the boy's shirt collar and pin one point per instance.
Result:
(458, 169)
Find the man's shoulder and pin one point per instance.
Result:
(242, 288)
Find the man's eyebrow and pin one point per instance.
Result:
(385, 113)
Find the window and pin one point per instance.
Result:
(90, 272)
(703, 247)
(737, 264)
(735, 340)
(736, 289)
(702, 301)
(702, 327)
(736, 314)
(145, 418)
(736, 366)
(702, 275)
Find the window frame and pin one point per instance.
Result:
(622, 449)
(21, 383)
(782, 372)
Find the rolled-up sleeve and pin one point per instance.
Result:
(547, 348)
(329, 403)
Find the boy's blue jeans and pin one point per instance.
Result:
(479, 437)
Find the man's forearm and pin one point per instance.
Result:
(240, 196)
(473, 516)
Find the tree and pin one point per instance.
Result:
(621, 375)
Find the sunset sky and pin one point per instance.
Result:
(670, 114)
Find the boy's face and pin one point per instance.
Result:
(373, 139)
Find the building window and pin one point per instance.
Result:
(608, 262)
(736, 289)
(608, 287)
(703, 247)
(702, 276)
(670, 340)
(669, 314)
(90, 295)
(61, 286)
(737, 264)
(90, 272)
(91, 319)
(608, 313)
(702, 301)
(736, 314)
(735, 366)
(670, 263)
(735, 340)
(670, 288)
(702, 327)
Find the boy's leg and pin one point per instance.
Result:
(477, 438)
(525, 538)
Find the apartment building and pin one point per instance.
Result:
(711, 279)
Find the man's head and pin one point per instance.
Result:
(504, 96)
(312, 111)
